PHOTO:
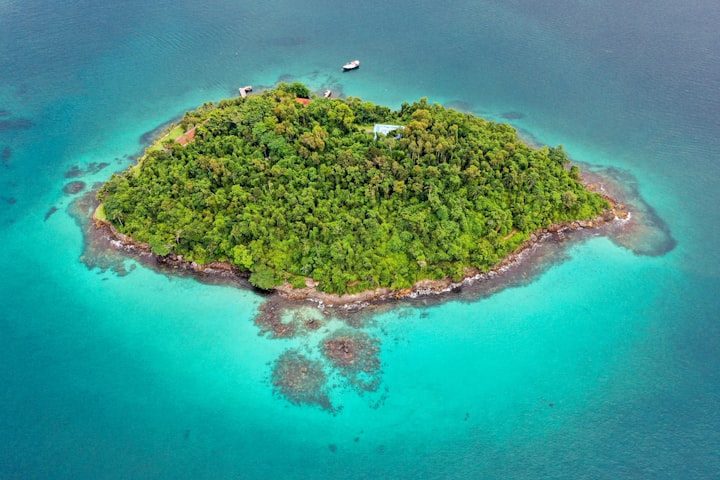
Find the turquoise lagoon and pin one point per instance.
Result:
(599, 363)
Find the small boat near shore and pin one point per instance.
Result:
(351, 65)
(327, 94)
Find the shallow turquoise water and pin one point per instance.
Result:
(605, 365)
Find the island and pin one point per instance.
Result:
(333, 198)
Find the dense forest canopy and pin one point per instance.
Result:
(287, 191)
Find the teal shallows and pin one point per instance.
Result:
(604, 365)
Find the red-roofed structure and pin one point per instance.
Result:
(304, 101)
(186, 137)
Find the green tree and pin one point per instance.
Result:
(287, 191)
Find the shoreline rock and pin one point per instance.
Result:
(226, 272)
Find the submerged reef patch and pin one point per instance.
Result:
(344, 360)
(98, 253)
(336, 356)
(356, 355)
(301, 380)
(92, 168)
(283, 320)
(352, 351)
(73, 188)
(644, 232)
(338, 352)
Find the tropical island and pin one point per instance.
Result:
(342, 196)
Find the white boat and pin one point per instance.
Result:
(351, 66)
(327, 94)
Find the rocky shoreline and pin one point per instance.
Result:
(437, 287)
(126, 244)
(226, 272)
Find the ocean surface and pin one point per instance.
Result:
(603, 362)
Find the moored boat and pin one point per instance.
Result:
(351, 65)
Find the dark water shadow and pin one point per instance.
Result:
(16, 124)
(460, 106)
(90, 169)
(348, 358)
(98, 252)
(645, 232)
(102, 252)
(528, 138)
(73, 188)
(51, 211)
(512, 115)
(149, 137)
(5, 156)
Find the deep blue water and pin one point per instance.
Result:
(604, 365)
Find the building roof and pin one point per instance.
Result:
(186, 137)
(385, 129)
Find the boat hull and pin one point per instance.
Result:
(351, 66)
